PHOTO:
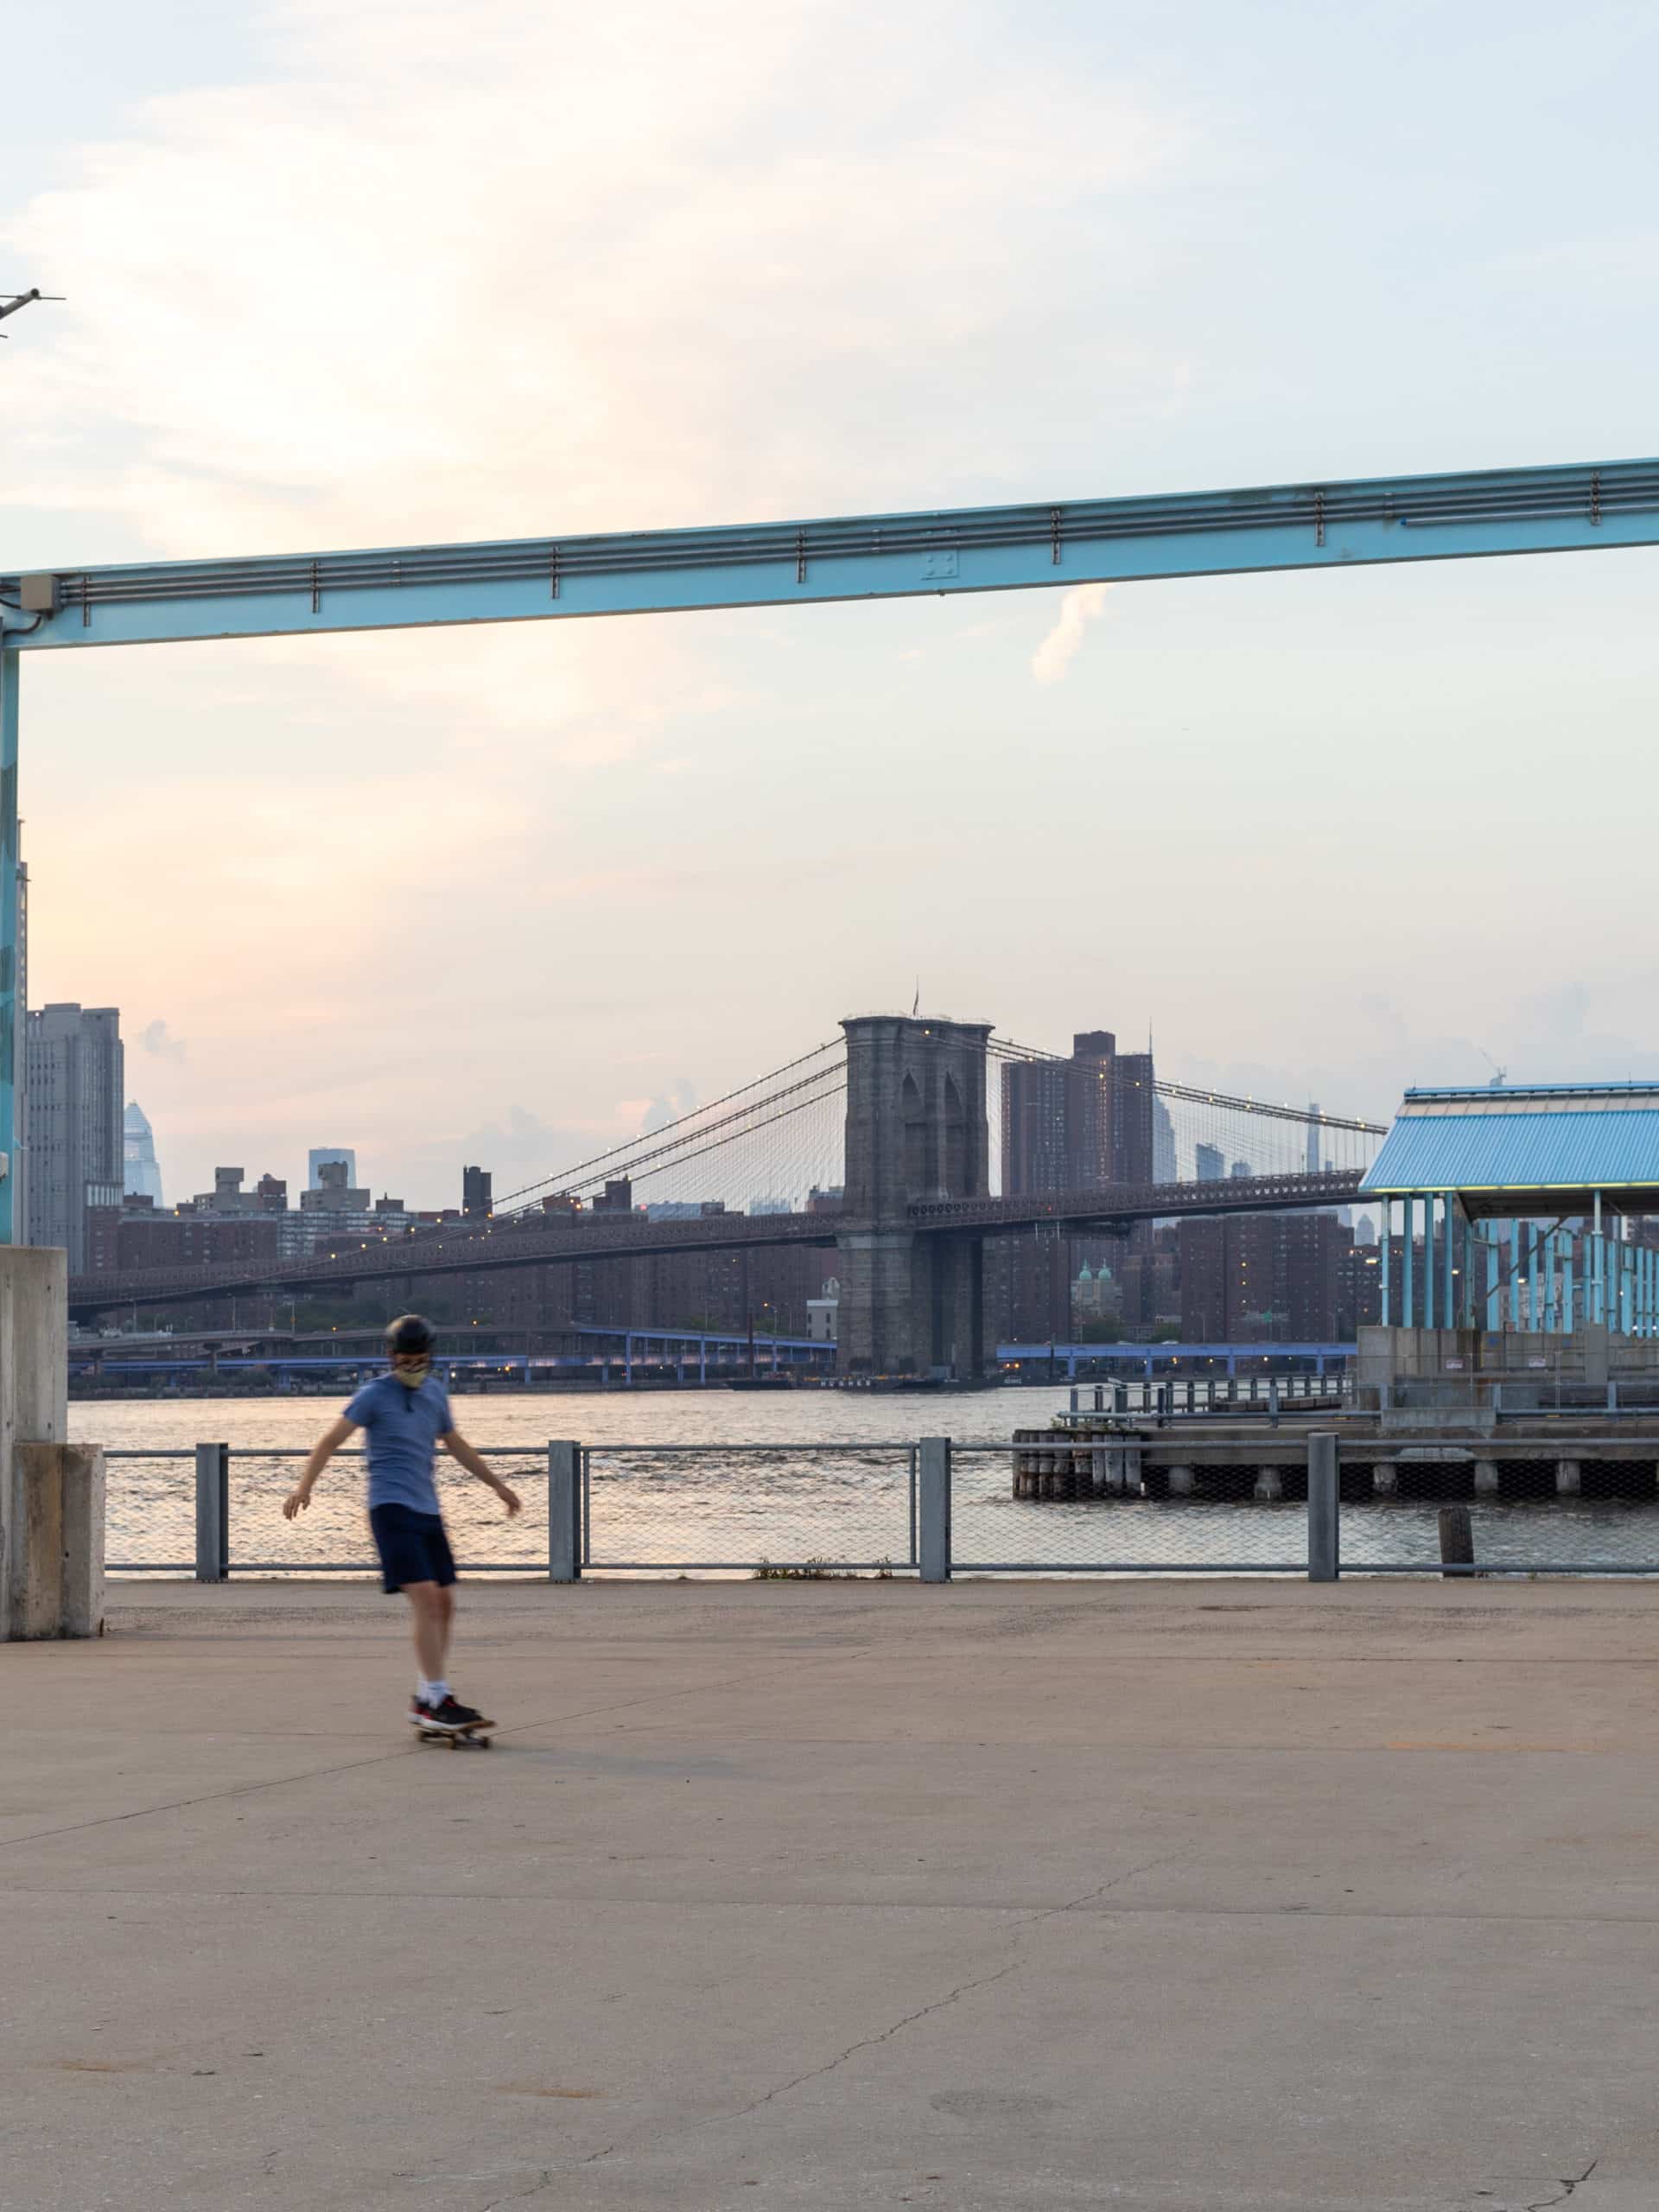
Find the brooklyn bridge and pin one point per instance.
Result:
(882, 1142)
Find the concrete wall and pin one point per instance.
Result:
(1590, 1356)
(59, 1588)
(34, 1389)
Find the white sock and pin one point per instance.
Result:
(430, 1692)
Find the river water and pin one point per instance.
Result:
(720, 1480)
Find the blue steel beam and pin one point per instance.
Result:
(1322, 525)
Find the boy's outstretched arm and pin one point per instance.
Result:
(324, 1450)
(458, 1448)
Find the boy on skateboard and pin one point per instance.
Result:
(405, 1415)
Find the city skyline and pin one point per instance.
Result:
(345, 854)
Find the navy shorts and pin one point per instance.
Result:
(413, 1546)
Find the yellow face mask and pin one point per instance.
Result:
(411, 1373)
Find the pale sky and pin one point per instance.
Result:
(405, 270)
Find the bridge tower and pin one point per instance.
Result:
(916, 1130)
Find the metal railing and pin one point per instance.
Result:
(1315, 1504)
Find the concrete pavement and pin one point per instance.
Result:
(1242, 1898)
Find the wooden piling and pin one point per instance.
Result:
(1457, 1539)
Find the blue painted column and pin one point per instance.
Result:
(1514, 1274)
(1430, 1302)
(11, 1044)
(1449, 1218)
(1532, 1278)
(1409, 1318)
(1382, 1260)
(1494, 1302)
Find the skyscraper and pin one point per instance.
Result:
(329, 1154)
(1081, 1123)
(1090, 1110)
(1134, 1119)
(1033, 1126)
(75, 1074)
(144, 1173)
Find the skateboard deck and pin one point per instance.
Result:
(476, 1733)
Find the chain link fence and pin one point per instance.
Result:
(1131, 1503)
(1531, 1505)
(1091, 1506)
(763, 1508)
(155, 1509)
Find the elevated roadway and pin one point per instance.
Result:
(595, 1237)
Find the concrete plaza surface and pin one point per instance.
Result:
(1244, 1897)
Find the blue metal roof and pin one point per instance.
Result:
(1567, 1138)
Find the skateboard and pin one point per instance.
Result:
(476, 1733)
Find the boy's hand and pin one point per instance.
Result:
(510, 1498)
(296, 1502)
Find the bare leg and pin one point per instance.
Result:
(447, 1617)
(429, 1619)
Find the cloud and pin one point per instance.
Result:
(1078, 609)
(523, 269)
(671, 1105)
(397, 351)
(156, 1037)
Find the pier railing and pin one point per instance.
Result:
(1282, 1503)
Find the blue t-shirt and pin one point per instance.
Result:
(402, 1427)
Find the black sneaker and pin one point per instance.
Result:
(452, 1714)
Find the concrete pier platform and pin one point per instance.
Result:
(1240, 1898)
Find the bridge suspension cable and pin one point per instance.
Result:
(701, 1130)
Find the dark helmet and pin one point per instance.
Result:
(410, 1332)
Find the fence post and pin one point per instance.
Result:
(564, 1512)
(933, 1549)
(212, 1512)
(1323, 1509)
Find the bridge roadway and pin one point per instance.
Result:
(621, 1236)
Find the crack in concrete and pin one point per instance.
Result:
(1570, 2183)
(963, 1989)
(544, 2180)
(869, 2043)
(1076, 1904)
